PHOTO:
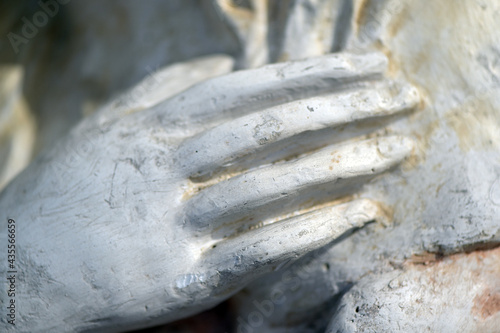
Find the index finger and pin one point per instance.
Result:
(242, 92)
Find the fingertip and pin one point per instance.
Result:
(363, 211)
(395, 147)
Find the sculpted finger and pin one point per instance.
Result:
(262, 189)
(264, 249)
(222, 145)
(250, 90)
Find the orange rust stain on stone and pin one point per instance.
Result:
(399, 20)
(487, 303)
(362, 13)
(393, 66)
(336, 159)
(477, 252)
(425, 258)
(475, 123)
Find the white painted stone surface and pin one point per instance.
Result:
(443, 200)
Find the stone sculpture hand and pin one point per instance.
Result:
(146, 218)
